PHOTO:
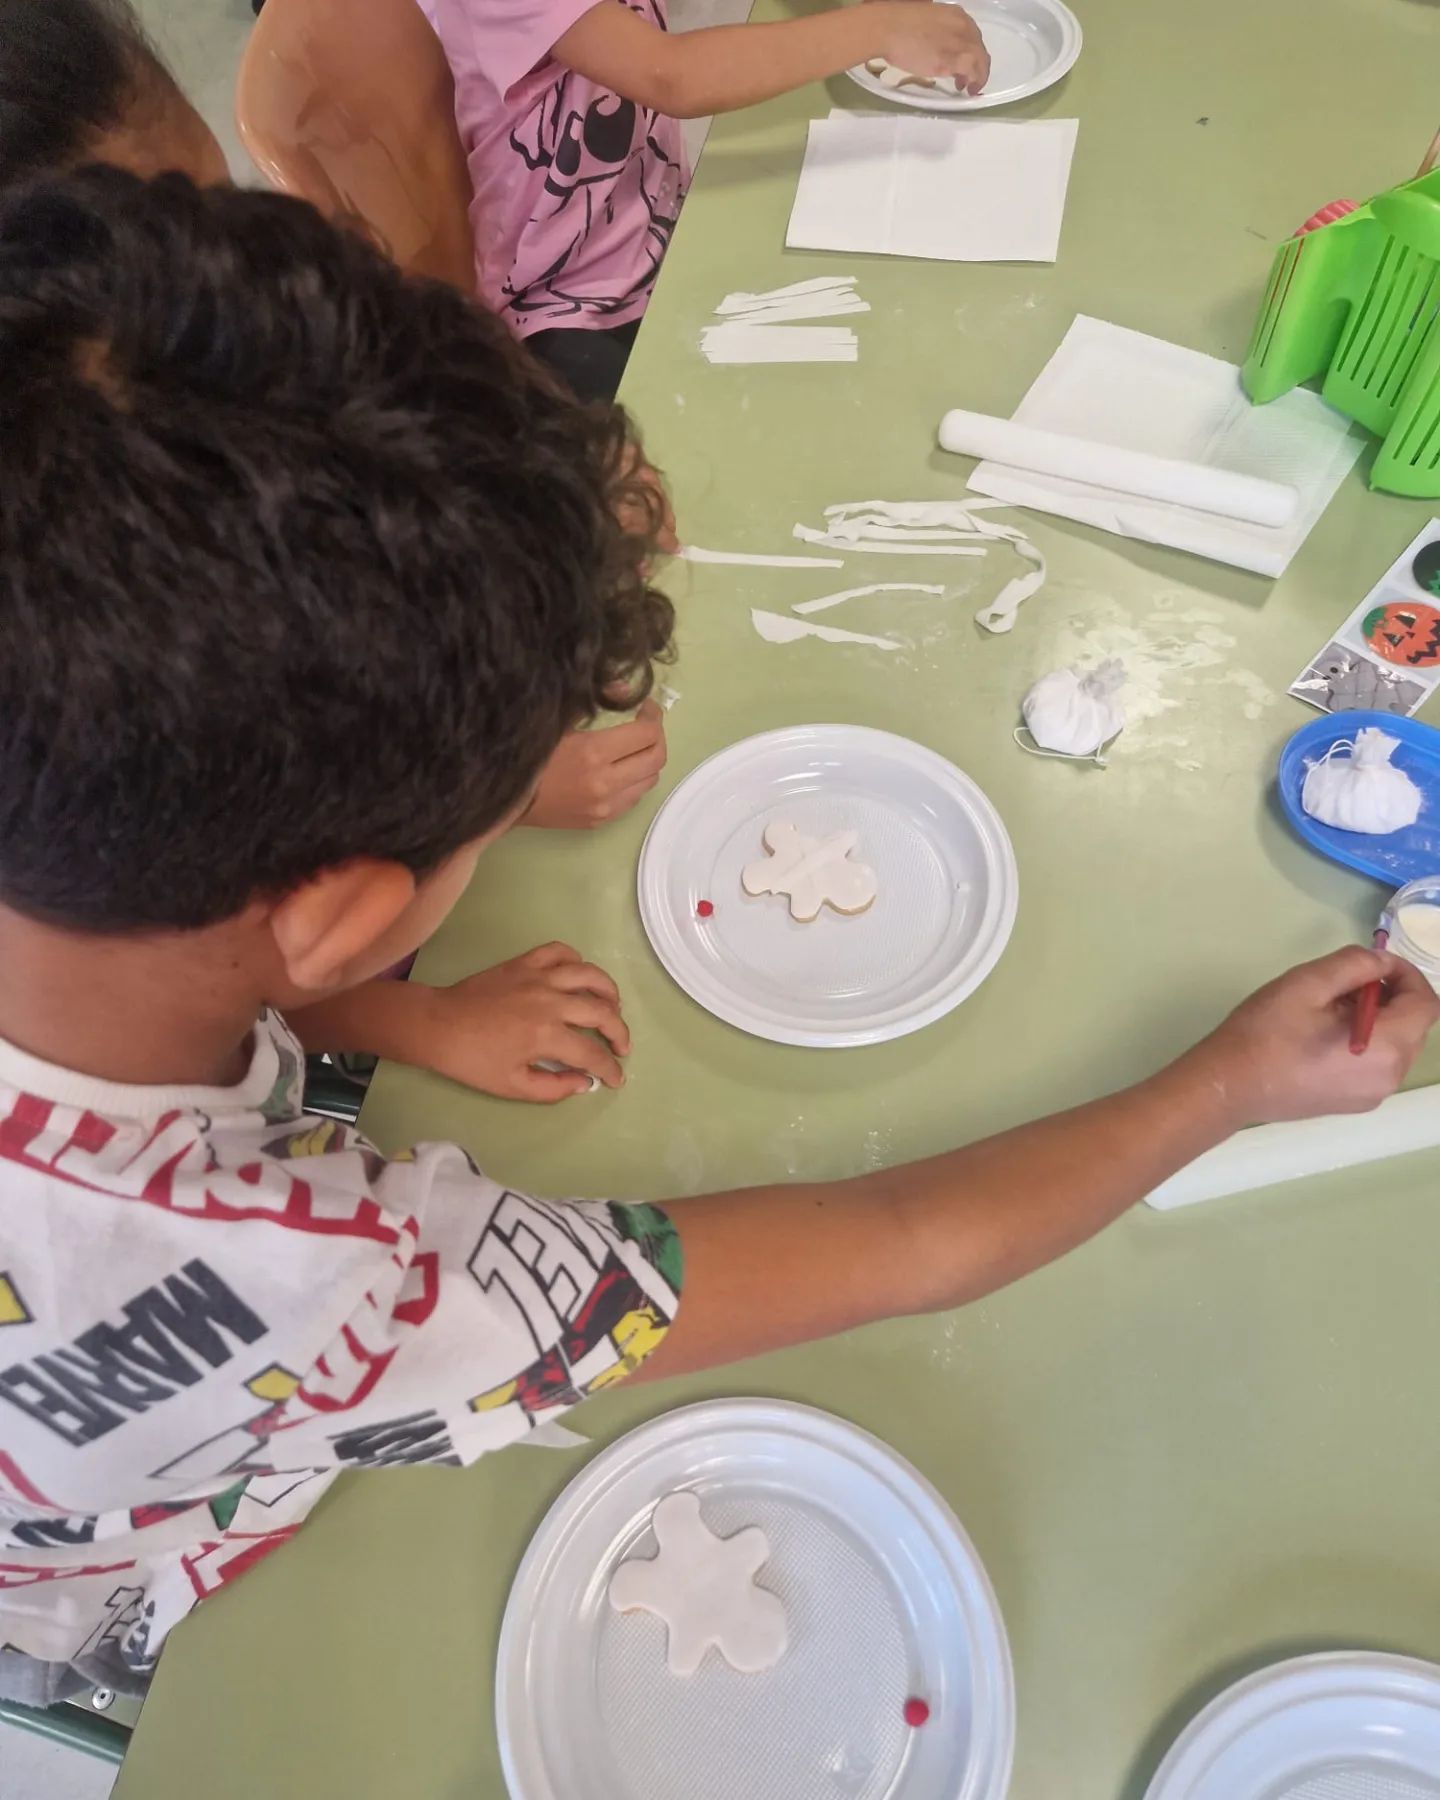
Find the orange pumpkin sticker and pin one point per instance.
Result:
(1405, 632)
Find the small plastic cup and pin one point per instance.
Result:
(1414, 915)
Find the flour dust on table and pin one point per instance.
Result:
(703, 1588)
(811, 872)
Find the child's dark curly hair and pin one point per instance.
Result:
(71, 71)
(300, 560)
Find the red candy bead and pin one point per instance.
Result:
(916, 1712)
(703, 909)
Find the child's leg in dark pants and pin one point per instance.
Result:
(590, 363)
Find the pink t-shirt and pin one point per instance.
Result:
(576, 190)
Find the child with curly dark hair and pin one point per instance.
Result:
(262, 500)
(80, 82)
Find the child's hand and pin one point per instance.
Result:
(924, 37)
(595, 776)
(1285, 1052)
(490, 1030)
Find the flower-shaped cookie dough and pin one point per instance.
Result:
(703, 1587)
(811, 872)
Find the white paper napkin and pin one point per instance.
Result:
(955, 190)
(1140, 393)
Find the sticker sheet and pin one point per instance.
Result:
(1386, 655)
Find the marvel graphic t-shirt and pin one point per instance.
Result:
(211, 1304)
(576, 191)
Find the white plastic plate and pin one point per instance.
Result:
(946, 905)
(1032, 44)
(1333, 1727)
(885, 1599)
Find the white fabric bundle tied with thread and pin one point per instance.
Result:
(1073, 713)
(1362, 790)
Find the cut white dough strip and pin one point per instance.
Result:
(780, 628)
(736, 332)
(1268, 1154)
(787, 315)
(819, 284)
(930, 528)
(703, 1588)
(878, 526)
(876, 531)
(916, 519)
(1208, 490)
(823, 306)
(917, 512)
(999, 615)
(810, 872)
(904, 545)
(870, 547)
(858, 593)
(744, 560)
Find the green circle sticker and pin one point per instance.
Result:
(1426, 568)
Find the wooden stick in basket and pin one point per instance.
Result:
(1431, 157)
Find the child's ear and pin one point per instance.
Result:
(329, 927)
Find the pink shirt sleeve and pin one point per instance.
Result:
(575, 190)
(501, 45)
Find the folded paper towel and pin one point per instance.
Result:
(1136, 393)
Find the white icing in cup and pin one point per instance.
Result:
(1413, 921)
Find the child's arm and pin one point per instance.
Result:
(476, 1311)
(719, 69)
(487, 1031)
(766, 1267)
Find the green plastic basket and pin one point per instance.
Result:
(1357, 302)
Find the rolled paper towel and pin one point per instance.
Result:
(1267, 1154)
(1128, 471)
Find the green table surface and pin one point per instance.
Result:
(1204, 1441)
